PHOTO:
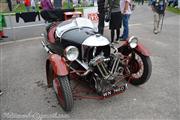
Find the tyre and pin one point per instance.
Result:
(49, 74)
(63, 92)
(140, 69)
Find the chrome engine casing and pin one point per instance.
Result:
(107, 71)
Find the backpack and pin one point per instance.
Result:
(159, 6)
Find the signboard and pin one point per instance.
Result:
(93, 17)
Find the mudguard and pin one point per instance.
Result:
(59, 65)
(140, 48)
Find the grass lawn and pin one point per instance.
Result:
(174, 10)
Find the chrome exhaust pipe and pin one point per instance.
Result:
(126, 86)
(42, 35)
(45, 47)
(84, 74)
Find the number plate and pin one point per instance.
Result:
(116, 90)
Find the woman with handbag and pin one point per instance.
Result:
(115, 19)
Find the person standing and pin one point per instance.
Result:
(158, 8)
(27, 4)
(9, 5)
(1, 92)
(126, 12)
(58, 3)
(2, 24)
(33, 5)
(116, 19)
(149, 2)
(138, 1)
(18, 1)
(101, 15)
(142, 2)
(46, 5)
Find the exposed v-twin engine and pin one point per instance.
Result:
(106, 71)
(107, 67)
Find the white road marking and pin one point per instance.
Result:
(137, 24)
(21, 40)
(19, 27)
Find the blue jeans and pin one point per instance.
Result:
(27, 8)
(125, 20)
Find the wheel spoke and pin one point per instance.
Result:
(140, 66)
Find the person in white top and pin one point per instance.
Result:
(33, 5)
(125, 7)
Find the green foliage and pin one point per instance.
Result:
(80, 9)
(65, 5)
(82, 4)
(3, 1)
(174, 10)
(21, 8)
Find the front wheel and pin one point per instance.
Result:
(140, 67)
(63, 91)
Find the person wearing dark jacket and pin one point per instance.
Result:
(116, 19)
(158, 8)
(101, 15)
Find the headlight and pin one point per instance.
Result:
(71, 53)
(133, 42)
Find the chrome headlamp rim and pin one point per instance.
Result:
(133, 42)
(71, 53)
